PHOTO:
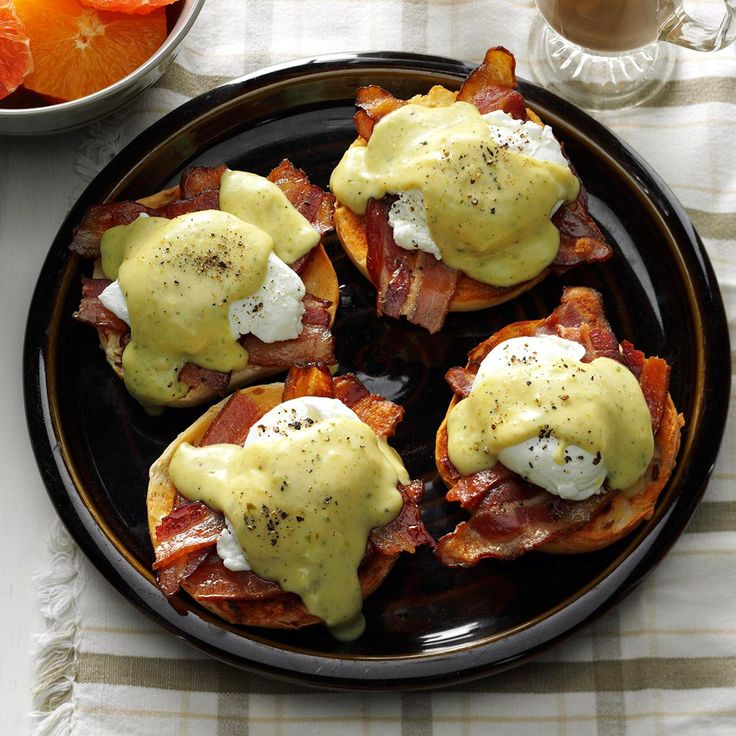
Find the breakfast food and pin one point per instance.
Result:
(456, 201)
(212, 284)
(318, 505)
(16, 62)
(78, 50)
(558, 438)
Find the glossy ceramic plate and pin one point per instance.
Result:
(427, 625)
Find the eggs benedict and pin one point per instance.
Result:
(284, 506)
(455, 201)
(210, 285)
(558, 438)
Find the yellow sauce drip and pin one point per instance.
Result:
(597, 406)
(259, 201)
(180, 276)
(302, 508)
(488, 207)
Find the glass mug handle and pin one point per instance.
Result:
(683, 30)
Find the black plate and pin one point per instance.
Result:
(427, 625)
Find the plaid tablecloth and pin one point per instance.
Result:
(663, 662)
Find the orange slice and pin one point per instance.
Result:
(78, 50)
(15, 50)
(127, 6)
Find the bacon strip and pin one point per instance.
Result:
(316, 205)
(510, 516)
(101, 217)
(491, 86)
(460, 381)
(349, 389)
(212, 580)
(409, 283)
(93, 312)
(374, 102)
(194, 375)
(231, 425)
(406, 532)
(196, 180)
(182, 537)
(313, 380)
(315, 344)
(581, 241)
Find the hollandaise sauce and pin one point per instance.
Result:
(180, 276)
(543, 391)
(488, 206)
(302, 507)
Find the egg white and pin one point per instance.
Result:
(582, 473)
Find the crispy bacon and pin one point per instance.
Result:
(654, 381)
(212, 580)
(510, 516)
(316, 205)
(209, 200)
(406, 532)
(170, 577)
(460, 381)
(196, 180)
(433, 286)
(491, 86)
(349, 389)
(313, 380)
(186, 537)
(101, 217)
(195, 375)
(381, 415)
(316, 311)
(182, 537)
(389, 266)
(315, 344)
(409, 283)
(374, 102)
(93, 312)
(234, 420)
(581, 241)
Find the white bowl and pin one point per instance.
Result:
(66, 115)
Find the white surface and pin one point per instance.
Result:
(37, 186)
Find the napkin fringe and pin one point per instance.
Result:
(55, 656)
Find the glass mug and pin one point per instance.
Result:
(604, 54)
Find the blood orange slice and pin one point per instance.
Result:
(78, 50)
(127, 6)
(15, 50)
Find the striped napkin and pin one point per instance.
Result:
(664, 661)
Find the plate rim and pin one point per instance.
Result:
(644, 555)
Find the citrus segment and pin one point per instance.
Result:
(127, 6)
(15, 51)
(78, 50)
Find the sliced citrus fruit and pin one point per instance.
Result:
(78, 50)
(15, 50)
(127, 6)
